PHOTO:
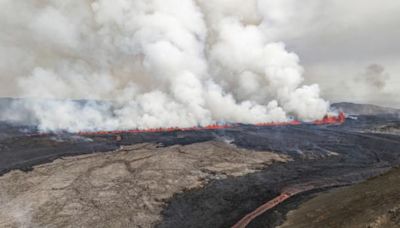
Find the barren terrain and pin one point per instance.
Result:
(195, 178)
(373, 204)
(120, 188)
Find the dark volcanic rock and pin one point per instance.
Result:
(320, 155)
(124, 188)
(24, 152)
(374, 203)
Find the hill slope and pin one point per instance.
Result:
(363, 109)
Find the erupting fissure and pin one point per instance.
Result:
(152, 64)
(339, 119)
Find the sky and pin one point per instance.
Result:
(349, 47)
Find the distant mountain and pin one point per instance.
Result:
(363, 109)
(6, 102)
(10, 105)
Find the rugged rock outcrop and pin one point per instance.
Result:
(124, 188)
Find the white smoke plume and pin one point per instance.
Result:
(151, 63)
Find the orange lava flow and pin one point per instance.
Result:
(262, 209)
(285, 195)
(271, 124)
(326, 120)
(332, 119)
(170, 129)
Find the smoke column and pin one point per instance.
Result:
(150, 63)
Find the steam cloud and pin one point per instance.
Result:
(151, 63)
(374, 76)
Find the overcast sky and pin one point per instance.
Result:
(349, 47)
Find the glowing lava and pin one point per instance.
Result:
(326, 120)
(341, 118)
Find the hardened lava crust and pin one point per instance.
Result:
(202, 178)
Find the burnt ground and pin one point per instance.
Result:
(128, 187)
(320, 155)
(373, 203)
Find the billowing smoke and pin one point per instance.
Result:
(374, 76)
(150, 63)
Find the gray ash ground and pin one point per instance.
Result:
(321, 155)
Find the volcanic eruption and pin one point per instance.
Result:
(139, 113)
(151, 64)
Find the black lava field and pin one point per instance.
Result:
(321, 155)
